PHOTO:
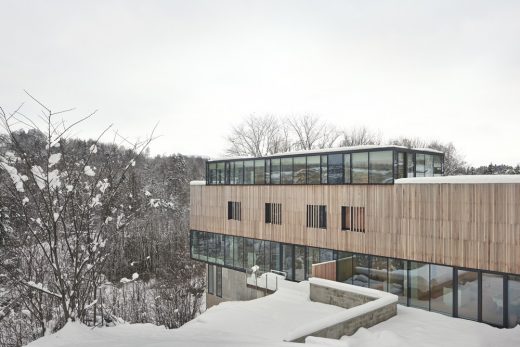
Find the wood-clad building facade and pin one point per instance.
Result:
(448, 246)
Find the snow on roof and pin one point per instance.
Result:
(463, 179)
(424, 149)
(197, 183)
(331, 150)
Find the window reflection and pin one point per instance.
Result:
(381, 167)
(468, 294)
(275, 171)
(299, 170)
(313, 170)
(513, 294)
(493, 299)
(441, 284)
(419, 275)
(335, 169)
(398, 279)
(359, 167)
(287, 171)
(249, 172)
(259, 171)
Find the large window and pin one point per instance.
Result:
(249, 172)
(400, 165)
(299, 170)
(228, 250)
(239, 172)
(234, 210)
(317, 216)
(419, 275)
(275, 256)
(420, 168)
(410, 164)
(273, 213)
(313, 170)
(262, 256)
(259, 171)
(493, 299)
(441, 285)
(275, 171)
(287, 261)
(381, 167)
(324, 166)
(437, 165)
(335, 169)
(361, 263)
(346, 168)
(360, 167)
(212, 173)
(221, 173)
(238, 252)
(287, 170)
(428, 165)
(313, 257)
(513, 294)
(211, 279)
(398, 279)
(218, 281)
(379, 273)
(468, 294)
(299, 263)
(249, 253)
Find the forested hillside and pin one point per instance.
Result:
(92, 231)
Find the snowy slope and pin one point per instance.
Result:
(266, 322)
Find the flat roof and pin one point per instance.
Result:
(332, 150)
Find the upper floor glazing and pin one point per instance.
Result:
(347, 165)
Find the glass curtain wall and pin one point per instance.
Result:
(441, 289)
(410, 165)
(275, 256)
(313, 169)
(239, 172)
(419, 165)
(249, 172)
(335, 169)
(287, 260)
(275, 171)
(468, 294)
(249, 253)
(259, 171)
(419, 276)
(238, 252)
(398, 279)
(360, 269)
(287, 170)
(299, 263)
(359, 167)
(228, 250)
(379, 273)
(381, 167)
(493, 299)
(513, 295)
(346, 168)
(299, 170)
(323, 169)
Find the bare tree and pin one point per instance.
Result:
(454, 163)
(359, 137)
(64, 207)
(257, 136)
(310, 132)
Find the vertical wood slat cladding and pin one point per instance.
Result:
(466, 225)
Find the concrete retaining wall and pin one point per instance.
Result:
(374, 314)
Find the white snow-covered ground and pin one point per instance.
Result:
(267, 321)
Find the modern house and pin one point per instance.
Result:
(382, 216)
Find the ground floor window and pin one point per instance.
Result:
(492, 298)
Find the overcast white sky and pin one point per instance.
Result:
(447, 70)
